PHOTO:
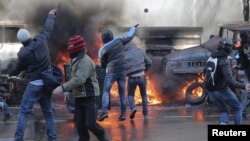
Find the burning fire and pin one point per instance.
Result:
(152, 93)
(196, 92)
(62, 58)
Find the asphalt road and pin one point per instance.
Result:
(165, 123)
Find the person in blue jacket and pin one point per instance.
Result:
(112, 58)
(34, 58)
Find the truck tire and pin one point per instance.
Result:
(195, 99)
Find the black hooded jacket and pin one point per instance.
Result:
(223, 76)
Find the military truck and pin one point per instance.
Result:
(191, 62)
(11, 87)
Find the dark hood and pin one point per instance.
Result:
(107, 36)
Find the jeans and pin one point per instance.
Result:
(245, 96)
(5, 107)
(32, 95)
(225, 98)
(142, 83)
(108, 82)
(85, 115)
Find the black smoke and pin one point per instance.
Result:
(82, 17)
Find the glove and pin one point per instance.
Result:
(58, 90)
(53, 12)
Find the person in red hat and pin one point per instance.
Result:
(84, 86)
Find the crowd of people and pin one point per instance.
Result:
(121, 58)
(34, 59)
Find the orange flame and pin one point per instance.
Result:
(152, 92)
(61, 59)
(197, 92)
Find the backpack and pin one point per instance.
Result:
(52, 77)
(210, 71)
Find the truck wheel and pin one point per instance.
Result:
(195, 94)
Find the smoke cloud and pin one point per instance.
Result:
(73, 17)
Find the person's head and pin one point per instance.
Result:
(245, 36)
(225, 45)
(23, 36)
(76, 44)
(237, 41)
(107, 35)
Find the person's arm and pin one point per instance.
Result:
(129, 36)
(227, 73)
(104, 61)
(102, 56)
(48, 27)
(148, 61)
(82, 74)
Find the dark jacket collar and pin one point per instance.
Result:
(219, 54)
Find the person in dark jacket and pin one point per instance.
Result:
(34, 57)
(137, 65)
(111, 56)
(223, 77)
(84, 86)
(242, 64)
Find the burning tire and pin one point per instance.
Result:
(195, 93)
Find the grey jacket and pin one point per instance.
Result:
(136, 59)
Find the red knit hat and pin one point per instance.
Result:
(76, 43)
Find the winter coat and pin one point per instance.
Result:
(111, 54)
(83, 81)
(136, 59)
(32, 62)
(223, 75)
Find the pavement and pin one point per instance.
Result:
(165, 123)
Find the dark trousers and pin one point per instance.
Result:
(85, 114)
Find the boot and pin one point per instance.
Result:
(244, 116)
(122, 116)
(7, 116)
(132, 115)
(104, 137)
(102, 116)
